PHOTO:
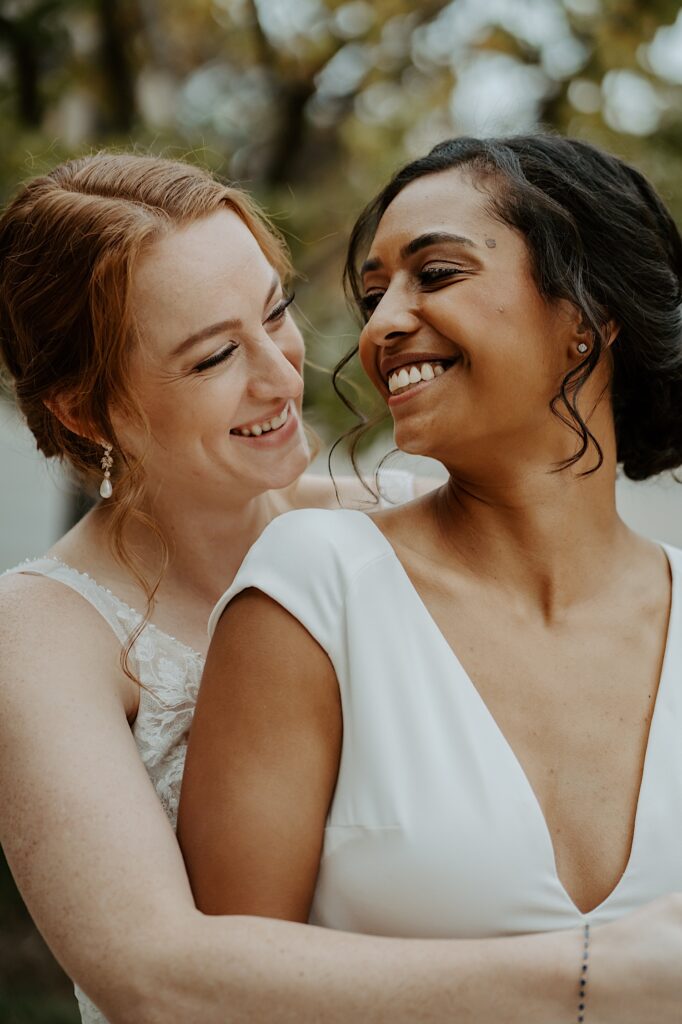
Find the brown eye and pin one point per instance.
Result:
(368, 303)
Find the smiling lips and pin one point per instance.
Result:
(410, 375)
(266, 427)
(399, 381)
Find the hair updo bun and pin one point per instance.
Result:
(69, 241)
(599, 236)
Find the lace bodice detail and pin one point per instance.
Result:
(169, 672)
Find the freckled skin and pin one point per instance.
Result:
(213, 270)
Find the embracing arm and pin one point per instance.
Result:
(101, 872)
(259, 777)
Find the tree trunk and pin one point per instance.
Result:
(117, 65)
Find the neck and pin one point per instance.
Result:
(208, 546)
(551, 535)
(207, 540)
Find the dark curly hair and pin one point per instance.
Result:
(599, 236)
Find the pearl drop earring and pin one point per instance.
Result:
(105, 488)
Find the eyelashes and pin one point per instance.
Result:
(368, 303)
(214, 360)
(428, 276)
(281, 308)
(224, 354)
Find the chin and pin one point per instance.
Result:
(289, 471)
(412, 444)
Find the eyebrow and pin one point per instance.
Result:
(221, 327)
(417, 244)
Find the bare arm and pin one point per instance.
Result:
(262, 765)
(101, 872)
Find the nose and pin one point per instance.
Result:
(393, 318)
(274, 374)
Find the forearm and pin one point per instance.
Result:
(233, 970)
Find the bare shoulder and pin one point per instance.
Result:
(320, 491)
(51, 638)
(349, 491)
(401, 524)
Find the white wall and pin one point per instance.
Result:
(33, 494)
(653, 508)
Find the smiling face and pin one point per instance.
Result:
(218, 369)
(459, 341)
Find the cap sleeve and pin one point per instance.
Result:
(303, 560)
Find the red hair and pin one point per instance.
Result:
(69, 242)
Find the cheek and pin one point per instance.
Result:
(366, 353)
(293, 346)
(193, 409)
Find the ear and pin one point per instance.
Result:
(610, 333)
(580, 333)
(62, 407)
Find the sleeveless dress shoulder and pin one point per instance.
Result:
(434, 829)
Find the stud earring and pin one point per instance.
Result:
(105, 488)
(582, 347)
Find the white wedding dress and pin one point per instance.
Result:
(170, 673)
(434, 830)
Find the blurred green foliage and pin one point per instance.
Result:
(312, 104)
(36, 1008)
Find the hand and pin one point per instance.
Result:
(635, 967)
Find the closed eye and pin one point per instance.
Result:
(280, 309)
(432, 275)
(224, 354)
(214, 360)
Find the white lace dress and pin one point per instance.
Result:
(170, 673)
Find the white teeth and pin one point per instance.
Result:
(263, 428)
(278, 421)
(413, 375)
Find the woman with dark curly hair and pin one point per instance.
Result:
(465, 721)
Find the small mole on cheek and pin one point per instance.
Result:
(500, 309)
(491, 243)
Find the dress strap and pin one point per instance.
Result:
(118, 615)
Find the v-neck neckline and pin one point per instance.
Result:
(502, 739)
